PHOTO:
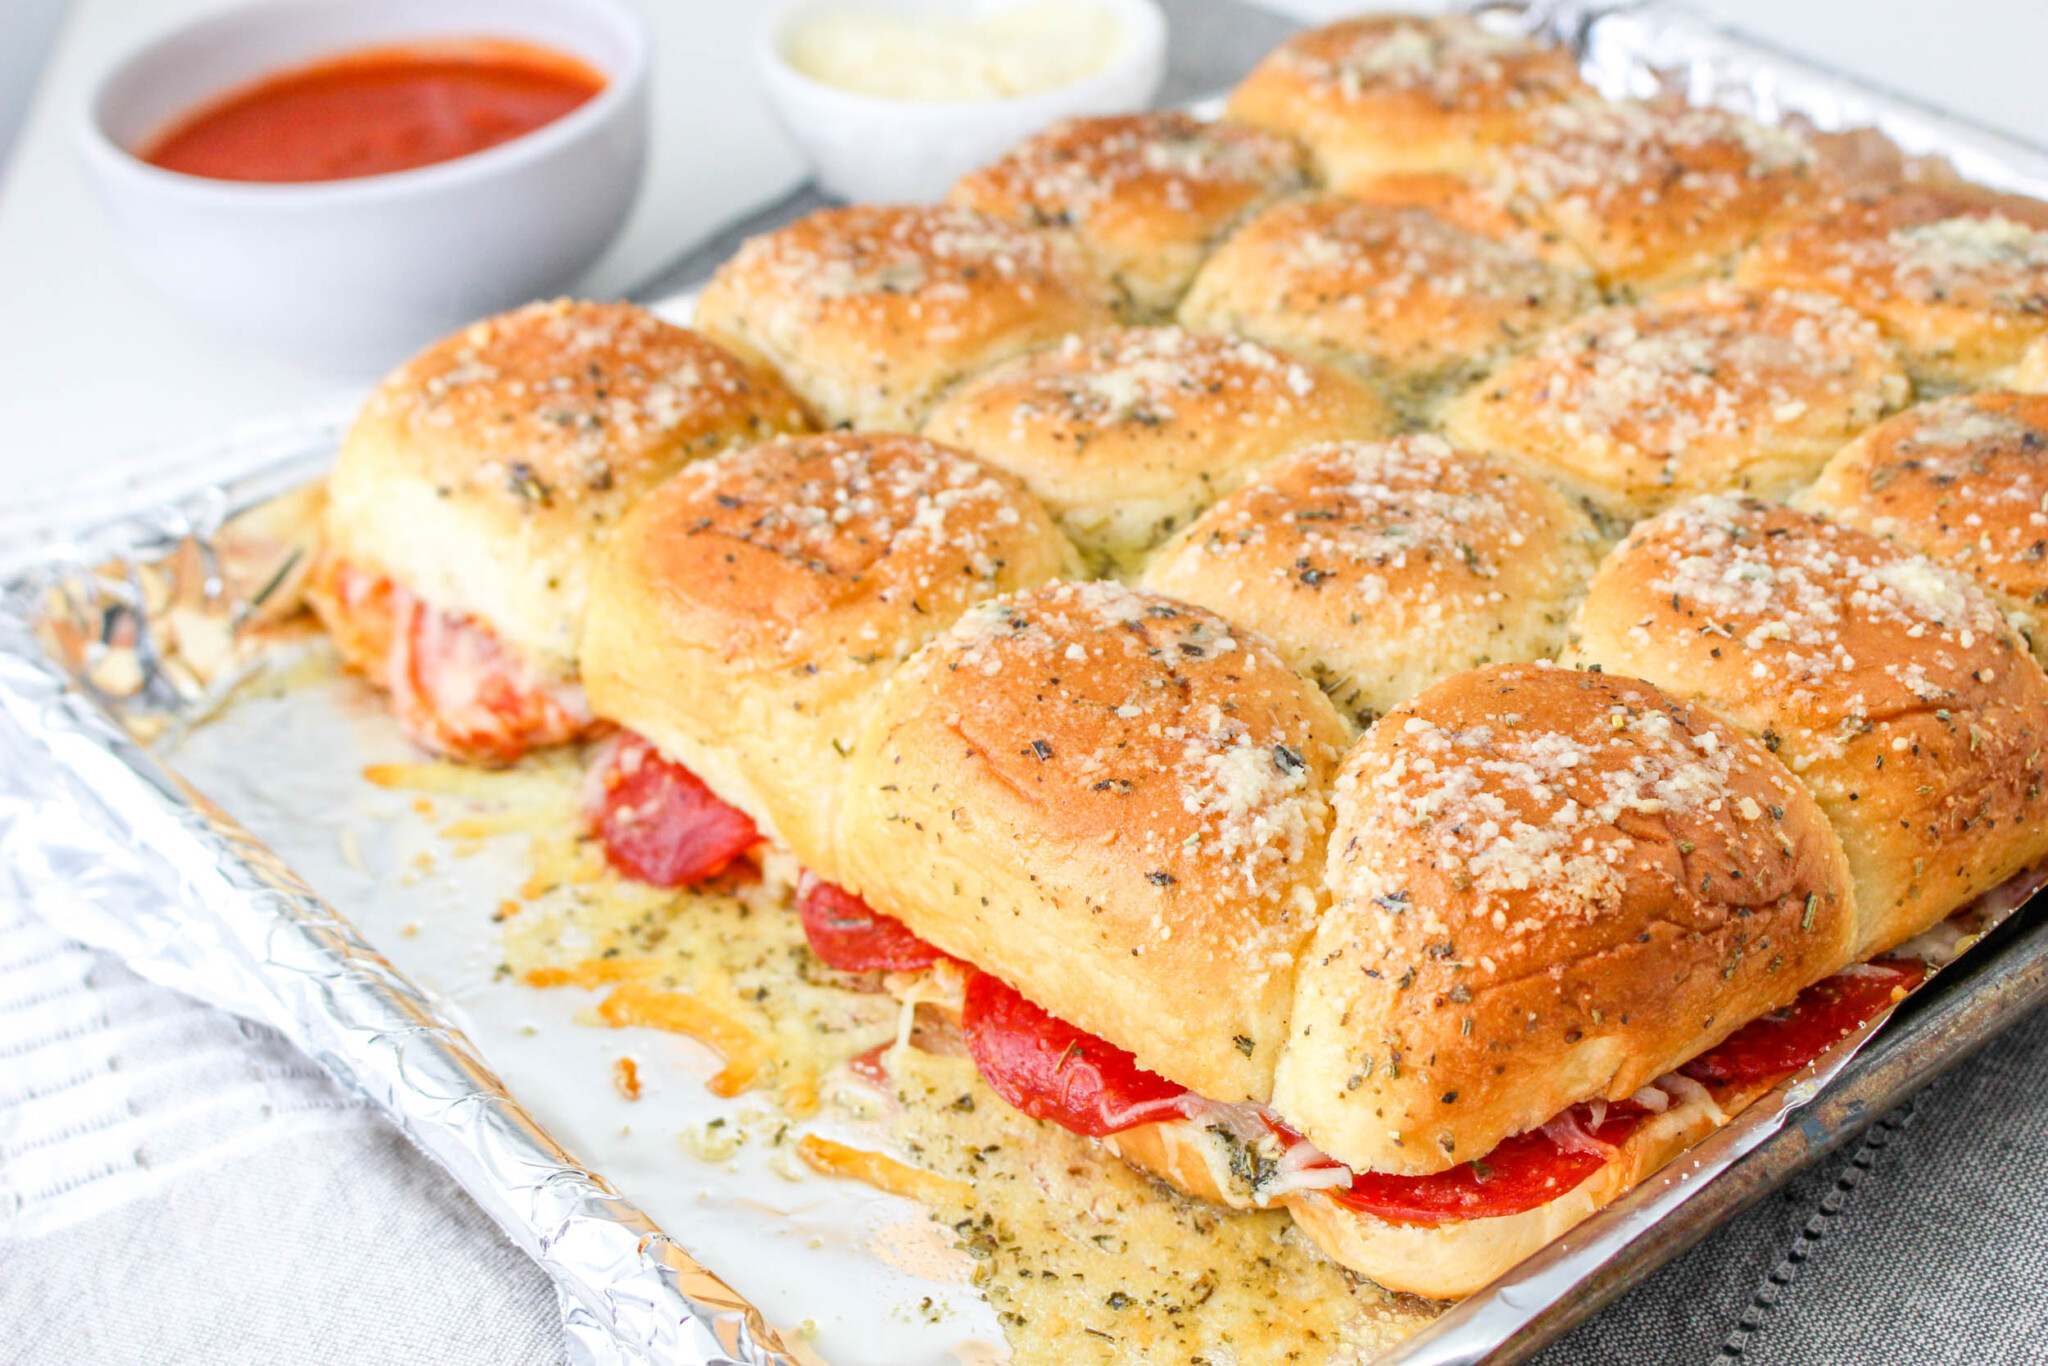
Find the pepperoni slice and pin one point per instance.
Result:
(847, 934)
(1520, 1173)
(1772, 1046)
(454, 686)
(1050, 1070)
(660, 824)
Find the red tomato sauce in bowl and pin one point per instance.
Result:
(374, 111)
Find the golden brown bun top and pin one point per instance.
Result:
(565, 402)
(843, 541)
(1547, 887)
(1963, 480)
(1702, 390)
(1378, 567)
(870, 312)
(1891, 684)
(482, 473)
(1115, 802)
(1396, 293)
(1654, 194)
(1138, 185)
(1126, 434)
(1390, 92)
(1959, 276)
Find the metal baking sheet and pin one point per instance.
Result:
(103, 837)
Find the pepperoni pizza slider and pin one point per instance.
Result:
(1147, 194)
(1379, 567)
(1550, 891)
(475, 489)
(745, 615)
(1893, 686)
(1386, 93)
(872, 313)
(1963, 481)
(1127, 434)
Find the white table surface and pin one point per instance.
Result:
(93, 367)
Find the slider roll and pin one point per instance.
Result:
(1147, 194)
(1698, 390)
(747, 612)
(1546, 887)
(1963, 481)
(1114, 802)
(1386, 93)
(1397, 294)
(872, 313)
(1127, 434)
(1379, 567)
(1891, 685)
(475, 488)
(1957, 276)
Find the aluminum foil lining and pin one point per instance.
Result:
(104, 842)
(108, 844)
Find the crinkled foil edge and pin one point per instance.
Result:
(108, 845)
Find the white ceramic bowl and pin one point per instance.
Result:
(866, 148)
(357, 274)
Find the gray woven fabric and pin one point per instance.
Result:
(1925, 1241)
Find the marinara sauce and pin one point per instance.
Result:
(376, 110)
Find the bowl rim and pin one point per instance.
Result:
(623, 90)
(1143, 23)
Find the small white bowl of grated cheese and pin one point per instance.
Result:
(893, 100)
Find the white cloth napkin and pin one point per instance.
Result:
(180, 1186)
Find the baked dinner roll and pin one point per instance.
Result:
(1891, 684)
(1546, 887)
(1382, 93)
(1397, 294)
(1115, 803)
(1648, 194)
(1126, 434)
(473, 492)
(1958, 277)
(872, 312)
(1962, 480)
(1148, 194)
(1378, 567)
(1700, 390)
(746, 613)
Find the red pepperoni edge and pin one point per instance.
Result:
(1521, 1172)
(1531, 1169)
(848, 934)
(1050, 1070)
(1782, 1042)
(660, 824)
